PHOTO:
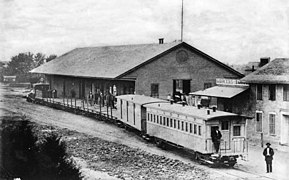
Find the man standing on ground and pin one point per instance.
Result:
(268, 153)
(216, 138)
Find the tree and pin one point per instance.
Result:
(39, 59)
(51, 57)
(20, 64)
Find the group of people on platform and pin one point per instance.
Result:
(107, 99)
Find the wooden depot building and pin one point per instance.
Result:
(155, 70)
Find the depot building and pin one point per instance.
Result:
(155, 70)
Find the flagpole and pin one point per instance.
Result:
(182, 23)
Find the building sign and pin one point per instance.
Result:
(224, 81)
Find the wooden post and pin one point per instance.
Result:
(111, 112)
(107, 110)
(262, 143)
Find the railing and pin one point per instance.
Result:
(237, 145)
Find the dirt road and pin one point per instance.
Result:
(11, 101)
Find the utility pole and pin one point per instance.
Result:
(182, 21)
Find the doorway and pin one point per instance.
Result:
(285, 129)
(181, 87)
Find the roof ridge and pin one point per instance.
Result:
(173, 42)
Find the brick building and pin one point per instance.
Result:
(150, 69)
(269, 89)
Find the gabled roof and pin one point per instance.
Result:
(275, 72)
(113, 61)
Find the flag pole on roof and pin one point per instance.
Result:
(182, 21)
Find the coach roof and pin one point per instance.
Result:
(191, 111)
(113, 61)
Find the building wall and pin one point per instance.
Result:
(164, 70)
(266, 106)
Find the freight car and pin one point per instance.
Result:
(187, 127)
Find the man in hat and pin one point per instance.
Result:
(216, 138)
(268, 153)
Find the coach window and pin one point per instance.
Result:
(237, 131)
(151, 117)
(157, 119)
(225, 125)
(191, 128)
(168, 122)
(178, 124)
(200, 130)
(186, 127)
(134, 113)
(182, 125)
(175, 123)
(161, 120)
(164, 122)
(121, 109)
(195, 129)
(171, 122)
(127, 111)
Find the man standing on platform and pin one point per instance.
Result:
(216, 138)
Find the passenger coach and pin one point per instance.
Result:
(186, 126)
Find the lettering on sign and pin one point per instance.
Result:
(224, 81)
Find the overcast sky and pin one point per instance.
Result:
(232, 31)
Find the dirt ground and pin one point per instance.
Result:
(105, 151)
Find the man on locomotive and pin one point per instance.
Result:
(216, 138)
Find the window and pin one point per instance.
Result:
(225, 125)
(207, 85)
(272, 123)
(286, 92)
(161, 119)
(272, 92)
(237, 131)
(127, 111)
(134, 113)
(191, 128)
(168, 122)
(259, 122)
(175, 123)
(121, 109)
(171, 122)
(157, 119)
(259, 92)
(200, 130)
(148, 116)
(164, 121)
(178, 124)
(154, 118)
(186, 127)
(195, 129)
(182, 125)
(151, 117)
(154, 90)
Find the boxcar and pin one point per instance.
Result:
(130, 110)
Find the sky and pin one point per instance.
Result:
(232, 31)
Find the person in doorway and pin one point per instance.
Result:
(268, 153)
(216, 138)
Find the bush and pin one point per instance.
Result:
(24, 156)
